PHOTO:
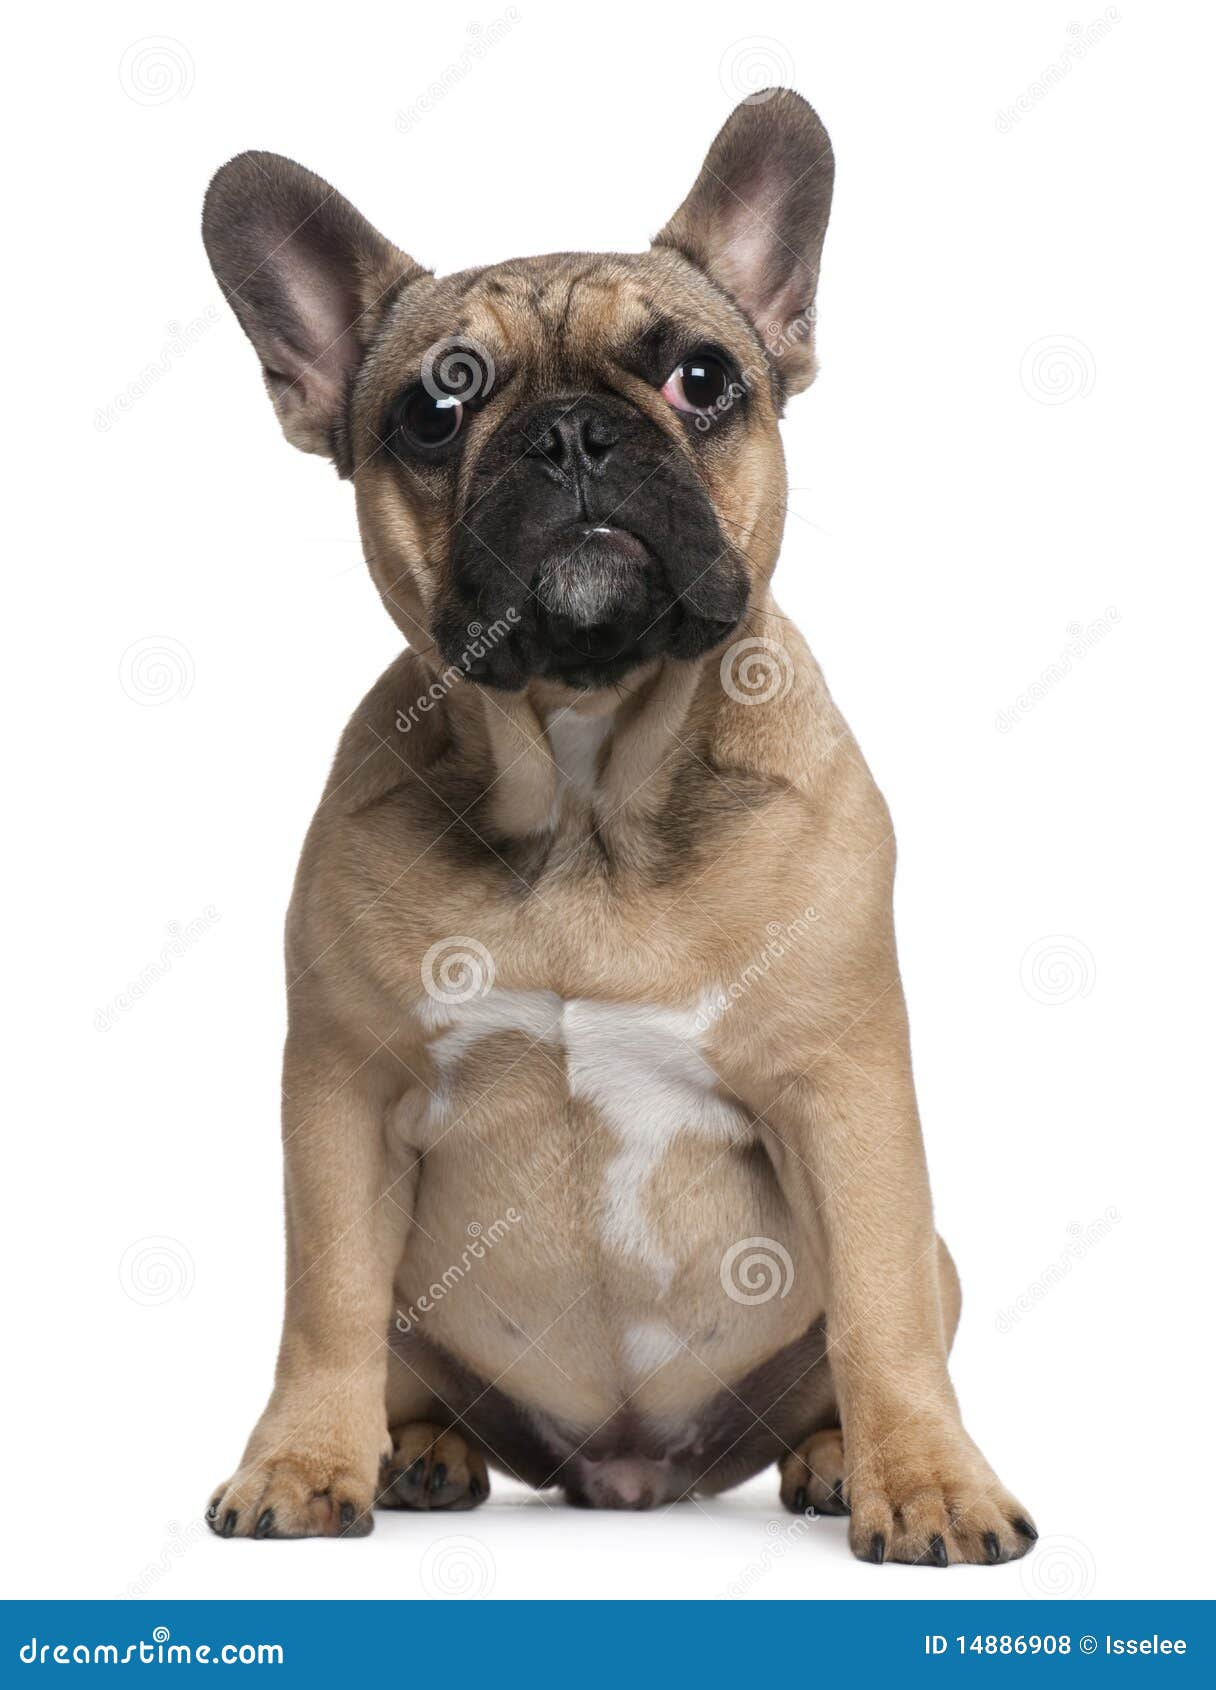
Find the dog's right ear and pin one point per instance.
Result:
(308, 278)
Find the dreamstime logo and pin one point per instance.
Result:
(1060, 1566)
(458, 368)
(482, 1240)
(755, 1270)
(180, 1540)
(481, 40)
(1082, 640)
(155, 70)
(780, 940)
(755, 67)
(482, 641)
(1057, 969)
(1084, 36)
(457, 969)
(182, 936)
(153, 1271)
(1082, 1239)
(181, 338)
(782, 1536)
(704, 420)
(779, 338)
(756, 671)
(457, 1566)
(1058, 368)
(156, 670)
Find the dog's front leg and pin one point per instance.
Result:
(311, 1464)
(847, 1144)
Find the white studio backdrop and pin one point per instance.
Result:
(998, 545)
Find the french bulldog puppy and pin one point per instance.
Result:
(603, 1165)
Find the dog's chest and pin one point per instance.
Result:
(619, 1089)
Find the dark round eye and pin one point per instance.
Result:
(698, 384)
(430, 419)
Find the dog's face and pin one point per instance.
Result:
(564, 466)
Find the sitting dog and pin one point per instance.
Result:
(603, 1164)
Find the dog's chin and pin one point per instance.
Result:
(599, 609)
(600, 606)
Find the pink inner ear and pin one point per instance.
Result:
(770, 283)
(743, 261)
(315, 368)
(326, 313)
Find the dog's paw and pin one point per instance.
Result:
(812, 1476)
(933, 1504)
(431, 1468)
(293, 1494)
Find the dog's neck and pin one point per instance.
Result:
(610, 745)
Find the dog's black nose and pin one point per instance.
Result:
(577, 438)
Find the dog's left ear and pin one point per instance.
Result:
(755, 221)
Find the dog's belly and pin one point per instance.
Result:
(600, 1234)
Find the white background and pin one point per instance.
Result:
(1010, 439)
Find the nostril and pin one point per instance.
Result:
(574, 441)
(551, 446)
(598, 437)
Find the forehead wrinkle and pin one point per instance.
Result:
(559, 327)
(608, 309)
(494, 312)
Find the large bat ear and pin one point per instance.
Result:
(755, 221)
(308, 278)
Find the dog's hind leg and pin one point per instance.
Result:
(432, 1467)
(812, 1475)
(431, 1464)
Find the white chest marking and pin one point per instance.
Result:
(640, 1065)
(575, 741)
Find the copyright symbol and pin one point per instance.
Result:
(1089, 1645)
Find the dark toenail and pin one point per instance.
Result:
(878, 1549)
(1024, 1528)
(937, 1552)
(265, 1523)
(413, 1475)
(992, 1545)
(838, 1492)
(229, 1522)
(347, 1516)
(800, 1500)
(214, 1509)
(438, 1476)
(475, 1490)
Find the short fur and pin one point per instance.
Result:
(594, 999)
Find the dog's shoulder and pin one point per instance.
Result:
(398, 730)
(353, 849)
(770, 718)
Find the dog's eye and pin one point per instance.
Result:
(698, 383)
(430, 419)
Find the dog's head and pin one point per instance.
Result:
(564, 466)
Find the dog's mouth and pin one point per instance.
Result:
(588, 547)
(600, 604)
